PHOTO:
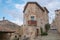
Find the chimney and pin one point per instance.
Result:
(3, 18)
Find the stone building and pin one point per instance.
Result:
(5, 33)
(8, 28)
(56, 23)
(53, 25)
(35, 17)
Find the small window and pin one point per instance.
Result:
(32, 17)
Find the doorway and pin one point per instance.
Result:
(37, 32)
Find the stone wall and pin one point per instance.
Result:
(4, 36)
(57, 20)
(40, 16)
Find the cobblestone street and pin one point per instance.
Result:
(52, 35)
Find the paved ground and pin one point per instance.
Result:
(52, 35)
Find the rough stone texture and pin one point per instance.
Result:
(40, 16)
(56, 22)
(9, 27)
(52, 35)
(4, 36)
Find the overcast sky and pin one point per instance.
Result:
(12, 10)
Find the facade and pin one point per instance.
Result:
(57, 20)
(53, 25)
(35, 17)
(21, 30)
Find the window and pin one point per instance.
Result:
(32, 17)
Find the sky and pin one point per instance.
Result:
(12, 10)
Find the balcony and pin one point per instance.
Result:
(32, 23)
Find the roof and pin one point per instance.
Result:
(8, 26)
(46, 9)
(33, 3)
(6, 30)
(57, 10)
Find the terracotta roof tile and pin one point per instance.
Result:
(6, 25)
(4, 29)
